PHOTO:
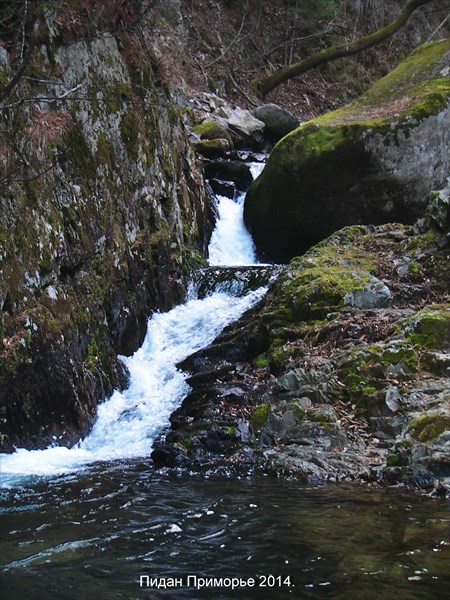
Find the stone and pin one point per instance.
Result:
(245, 124)
(230, 170)
(375, 294)
(223, 188)
(371, 162)
(438, 211)
(212, 129)
(213, 148)
(278, 121)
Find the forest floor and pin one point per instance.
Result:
(231, 44)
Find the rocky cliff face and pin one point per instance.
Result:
(103, 214)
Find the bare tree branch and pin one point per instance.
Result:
(267, 84)
(20, 71)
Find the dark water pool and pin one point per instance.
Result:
(93, 535)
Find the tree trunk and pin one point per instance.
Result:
(269, 83)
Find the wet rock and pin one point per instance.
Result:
(223, 188)
(169, 456)
(230, 170)
(234, 280)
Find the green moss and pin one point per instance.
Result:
(92, 355)
(364, 372)
(129, 131)
(262, 360)
(410, 73)
(279, 355)
(416, 80)
(116, 95)
(105, 151)
(429, 328)
(212, 130)
(434, 98)
(314, 291)
(429, 426)
(259, 416)
(414, 268)
(404, 356)
(186, 443)
(231, 431)
(322, 415)
(80, 156)
(363, 383)
(212, 148)
(393, 460)
(299, 412)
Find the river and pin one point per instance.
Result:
(98, 521)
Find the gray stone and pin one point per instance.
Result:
(375, 295)
(243, 122)
(278, 122)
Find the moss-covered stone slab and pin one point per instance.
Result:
(372, 162)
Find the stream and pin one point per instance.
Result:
(99, 521)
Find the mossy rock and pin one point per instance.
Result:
(430, 328)
(374, 161)
(429, 426)
(318, 282)
(212, 130)
(213, 148)
(259, 416)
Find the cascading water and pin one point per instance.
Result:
(127, 422)
(230, 243)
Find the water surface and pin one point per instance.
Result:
(93, 535)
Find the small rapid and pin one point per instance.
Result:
(129, 420)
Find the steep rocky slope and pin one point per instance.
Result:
(103, 214)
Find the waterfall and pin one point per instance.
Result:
(129, 420)
(230, 244)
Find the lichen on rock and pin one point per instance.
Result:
(100, 225)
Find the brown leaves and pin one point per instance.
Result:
(48, 127)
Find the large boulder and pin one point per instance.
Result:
(371, 162)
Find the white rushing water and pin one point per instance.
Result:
(230, 244)
(128, 421)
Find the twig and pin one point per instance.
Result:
(240, 91)
(439, 27)
(26, 59)
(233, 41)
(77, 87)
